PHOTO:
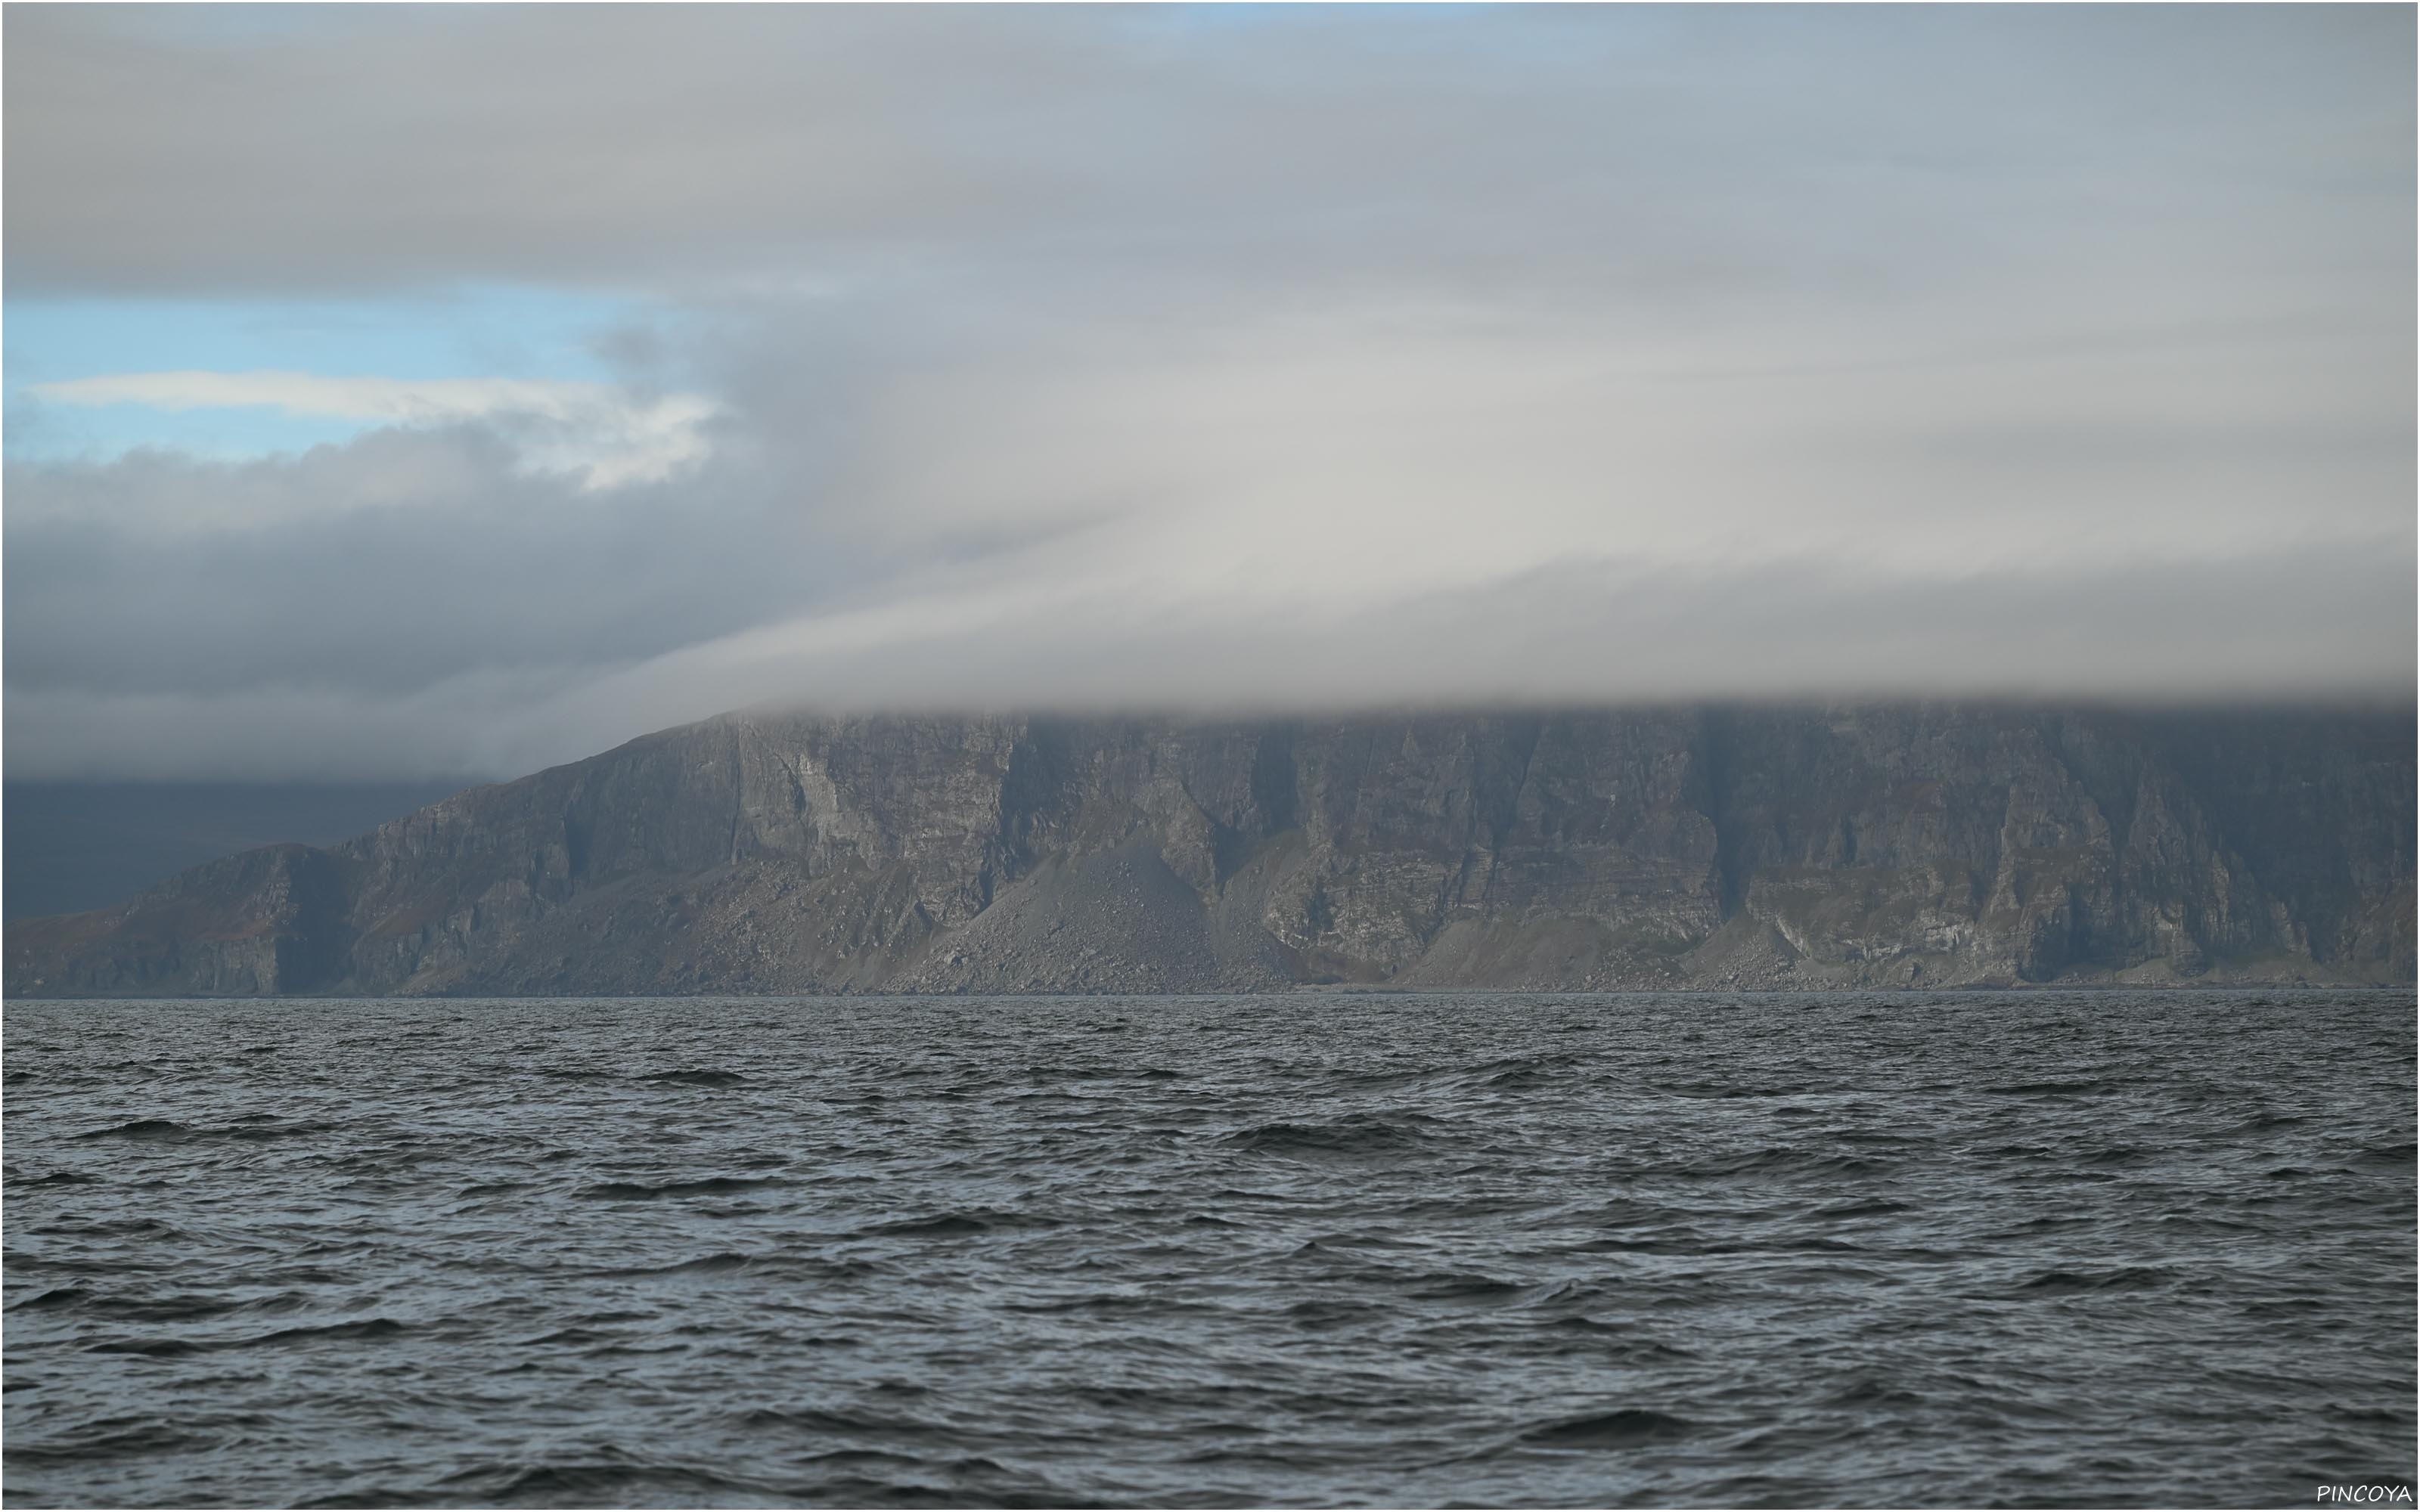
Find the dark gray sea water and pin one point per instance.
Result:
(1973, 1249)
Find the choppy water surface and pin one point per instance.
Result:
(2101, 1248)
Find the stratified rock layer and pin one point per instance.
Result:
(1861, 846)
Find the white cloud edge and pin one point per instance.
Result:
(601, 433)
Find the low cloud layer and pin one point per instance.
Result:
(1115, 359)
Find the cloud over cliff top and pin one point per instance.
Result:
(1116, 356)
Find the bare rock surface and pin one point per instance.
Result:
(1858, 846)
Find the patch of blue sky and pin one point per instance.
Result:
(512, 332)
(39, 432)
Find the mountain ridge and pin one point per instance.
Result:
(1845, 845)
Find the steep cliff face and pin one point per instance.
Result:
(1875, 847)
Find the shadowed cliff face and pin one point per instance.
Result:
(1868, 846)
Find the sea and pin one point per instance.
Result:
(1973, 1249)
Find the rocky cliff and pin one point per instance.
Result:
(1859, 846)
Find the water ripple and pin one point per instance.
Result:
(2101, 1248)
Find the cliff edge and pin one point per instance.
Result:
(1869, 846)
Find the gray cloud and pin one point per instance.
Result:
(1576, 633)
(1117, 357)
(1850, 153)
(378, 567)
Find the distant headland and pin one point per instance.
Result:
(1849, 846)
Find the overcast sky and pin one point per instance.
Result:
(395, 393)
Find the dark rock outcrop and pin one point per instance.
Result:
(1862, 846)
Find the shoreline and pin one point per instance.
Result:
(1321, 990)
